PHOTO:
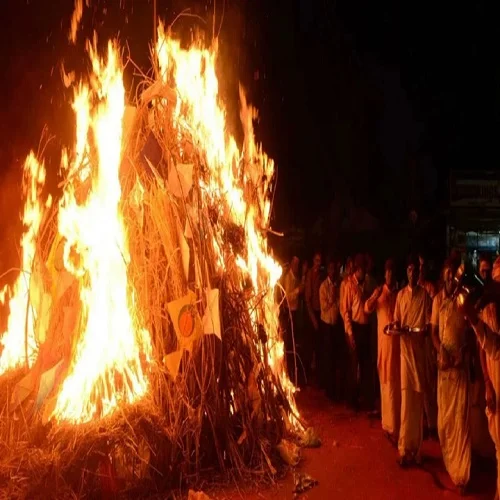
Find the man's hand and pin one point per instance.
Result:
(491, 399)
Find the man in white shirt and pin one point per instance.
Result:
(329, 303)
(413, 310)
(357, 332)
(449, 337)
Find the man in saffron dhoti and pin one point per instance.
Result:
(413, 310)
(383, 301)
(487, 329)
(449, 329)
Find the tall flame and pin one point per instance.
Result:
(19, 339)
(239, 182)
(111, 350)
(107, 367)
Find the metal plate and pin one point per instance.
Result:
(392, 329)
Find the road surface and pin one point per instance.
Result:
(356, 461)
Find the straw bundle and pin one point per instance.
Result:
(224, 411)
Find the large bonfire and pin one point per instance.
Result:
(143, 343)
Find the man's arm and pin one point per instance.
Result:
(487, 338)
(371, 303)
(346, 307)
(488, 386)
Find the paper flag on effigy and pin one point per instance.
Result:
(180, 179)
(172, 362)
(47, 383)
(186, 320)
(23, 389)
(211, 317)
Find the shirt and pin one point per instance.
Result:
(413, 309)
(450, 321)
(352, 307)
(291, 285)
(313, 282)
(342, 290)
(328, 297)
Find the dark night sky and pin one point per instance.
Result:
(355, 97)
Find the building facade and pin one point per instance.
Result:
(473, 218)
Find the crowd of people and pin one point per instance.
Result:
(414, 353)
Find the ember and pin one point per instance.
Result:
(162, 318)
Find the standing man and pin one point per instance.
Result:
(292, 288)
(330, 363)
(370, 285)
(357, 332)
(487, 331)
(449, 336)
(413, 310)
(383, 301)
(312, 343)
(430, 393)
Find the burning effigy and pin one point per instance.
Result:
(142, 346)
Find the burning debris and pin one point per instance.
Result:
(143, 345)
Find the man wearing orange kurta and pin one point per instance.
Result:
(383, 301)
(449, 336)
(413, 310)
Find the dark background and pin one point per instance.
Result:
(370, 102)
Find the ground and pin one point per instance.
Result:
(356, 461)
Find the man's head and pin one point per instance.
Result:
(331, 269)
(359, 268)
(448, 273)
(316, 261)
(294, 265)
(413, 270)
(389, 272)
(485, 269)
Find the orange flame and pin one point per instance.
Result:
(106, 367)
(18, 342)
(239, 182)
